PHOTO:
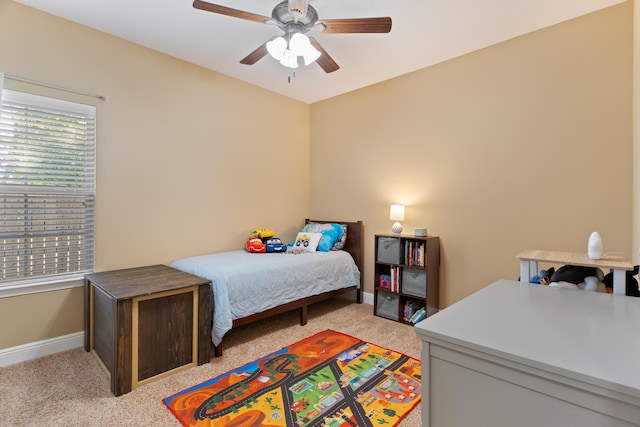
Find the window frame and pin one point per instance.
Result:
(57, 280)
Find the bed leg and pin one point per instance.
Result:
(359, 295)
(303, 315)
(217, 350)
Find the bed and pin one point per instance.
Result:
(248, 287)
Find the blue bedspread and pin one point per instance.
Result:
(247, 283)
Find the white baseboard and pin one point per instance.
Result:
(367, 298)
(30, 351)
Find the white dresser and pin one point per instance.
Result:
(516, 354)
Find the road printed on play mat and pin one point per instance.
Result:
(329, 379)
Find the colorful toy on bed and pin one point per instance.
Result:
(262, 233)
(263, 240)
(255, 245)
(274, 244)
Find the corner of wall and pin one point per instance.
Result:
(635, 243)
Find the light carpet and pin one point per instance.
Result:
(70, 389)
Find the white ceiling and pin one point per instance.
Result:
(424, 32)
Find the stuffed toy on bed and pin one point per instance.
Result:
(262, 240)
(262, 233)
(274, 244)
(255, 245)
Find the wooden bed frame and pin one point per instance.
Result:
(354, 245)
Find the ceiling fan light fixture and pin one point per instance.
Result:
(289, 60)
(277, 47)
(288, 53)
(301, 46)
(311, 55)
(298, 44)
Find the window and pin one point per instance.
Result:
(47, 190)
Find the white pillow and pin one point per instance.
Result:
(307, 241)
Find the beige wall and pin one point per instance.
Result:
(189, 161)
(525, 144)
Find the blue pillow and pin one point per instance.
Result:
(331, 233)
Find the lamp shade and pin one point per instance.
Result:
(289, 60)
(276, 47)
(310, 55)
(396, 213)
(298, 44)
(301, 46)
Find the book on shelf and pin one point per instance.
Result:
(394, 282)
(385, 281)
(414, 254)
(411, 307)
(418, 315)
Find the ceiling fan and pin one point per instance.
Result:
(296, 18)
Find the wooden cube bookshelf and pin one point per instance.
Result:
(407, 270)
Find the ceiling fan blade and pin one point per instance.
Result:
(223, 10)
(324, 61)
(256, 55)
(357, 25)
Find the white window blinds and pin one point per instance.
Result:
(47, 189)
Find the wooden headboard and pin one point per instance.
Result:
(354, 244)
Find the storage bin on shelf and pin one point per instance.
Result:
(387, 306)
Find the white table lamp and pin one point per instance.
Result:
(396, 214)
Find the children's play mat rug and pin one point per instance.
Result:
(328, 379)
